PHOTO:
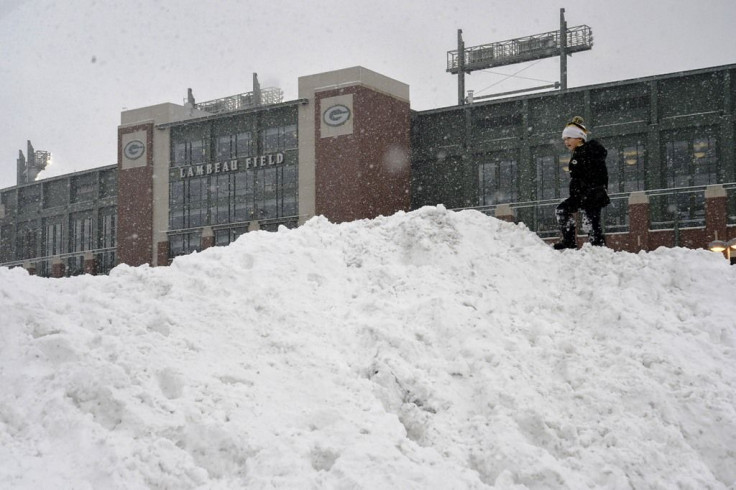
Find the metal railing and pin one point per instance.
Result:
(43, 264)
(669, 209)
(267, 96)
(528, 48)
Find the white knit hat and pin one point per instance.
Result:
(575, 129)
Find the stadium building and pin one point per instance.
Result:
(194, 175)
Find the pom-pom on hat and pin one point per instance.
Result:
(575, 129)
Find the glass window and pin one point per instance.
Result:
(271, 139)
(197, 205)
(626, 166)
(690, 159)
(290, 137)
(108, 183)
(552, 173)
(225, 147)
(244, 144)
(188, 152)
(280, 138)
(220, 199)
(27, 240)
(56, 193)
(704, 160)
(84, 188)
(105, 262)
(80, 232)
(29, 197)
(53, 237)
(678, 209)
(106, 230)
(243, 196)
(222, 237)
(498, 180)
(185, 243)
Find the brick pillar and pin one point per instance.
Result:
(208, 238)
(354, 145)
(505, 213)
(162, 250)
(90, 263)
(135, 194)
(57, 267)
(30, 267)
(638, 222)
(716, 219)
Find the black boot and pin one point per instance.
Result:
(567, 229)
(563, 244)
(598, 241)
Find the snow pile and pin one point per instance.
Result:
(429, 350)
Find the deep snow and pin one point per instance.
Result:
(427, 350)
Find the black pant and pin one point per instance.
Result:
(590, 220)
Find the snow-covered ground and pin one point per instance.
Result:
(428, 350)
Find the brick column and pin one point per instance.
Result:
(135, 194)
(638, 222)
(208, 238)
(57, 267)
(30, 267)
(162, 250)
(505, 213)
(716, 219)
(90, 263)
(354, 145)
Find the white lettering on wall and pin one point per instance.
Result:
(231, 166)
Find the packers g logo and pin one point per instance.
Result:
(134, 150)
(337, 115)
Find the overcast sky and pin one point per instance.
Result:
(67, 69)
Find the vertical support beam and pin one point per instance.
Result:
(563, 51)
(653, 170)
(460, 68)
(727, 170)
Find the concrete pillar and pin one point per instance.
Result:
(639, 221)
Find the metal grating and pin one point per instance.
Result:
(519, 50)
(267, 96)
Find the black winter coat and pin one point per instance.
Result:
(589, 175)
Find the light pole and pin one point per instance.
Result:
(722, 246)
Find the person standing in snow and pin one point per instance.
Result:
(588, 186)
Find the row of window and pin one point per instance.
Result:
(191, 241)
(194, 151)
(74, 266)
(253, 194)
(86, 187)
(687, 161)
(50, 240)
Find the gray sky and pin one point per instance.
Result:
(68, 68)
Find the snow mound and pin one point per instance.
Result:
(426, 350)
